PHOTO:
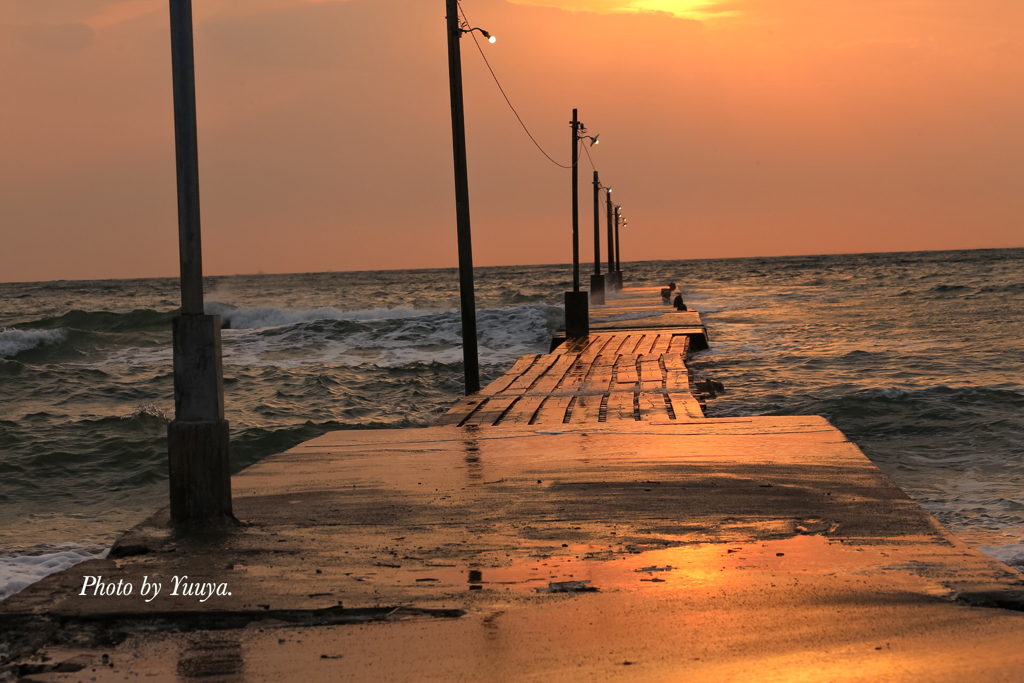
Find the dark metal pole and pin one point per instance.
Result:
(577, 304)
(597, 225)
(597, 280)
(611, 237)
(198, 437)
(575, 203)
(466, 295)
(618, 253)
(186, 148)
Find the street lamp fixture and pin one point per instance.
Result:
(485, 34)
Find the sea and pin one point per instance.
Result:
(917, 357)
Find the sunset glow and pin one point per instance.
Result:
(686, 9)
(756, 128)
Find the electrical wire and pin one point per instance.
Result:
(509, 102)
(589, 157)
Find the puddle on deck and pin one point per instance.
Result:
(577, 568)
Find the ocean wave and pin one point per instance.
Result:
(148, 411)
(895, 410)
(19, 571)
(107, 321)
(388, 338)
(13, 342)
(1012, 555)
(246, 318)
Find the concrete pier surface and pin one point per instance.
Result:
(573, 542)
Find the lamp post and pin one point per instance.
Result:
(577, 309)
(619, 266)
(611, 241)
(197, 438)
(597, 279)
(470, 357)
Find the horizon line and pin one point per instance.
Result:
(455, 267)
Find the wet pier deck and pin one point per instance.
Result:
(549, 528)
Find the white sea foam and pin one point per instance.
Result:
(1012, 555)
(13, 342)
(387, 337)
(19, 571)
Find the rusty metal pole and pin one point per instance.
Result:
(467, 297)
(198, 453)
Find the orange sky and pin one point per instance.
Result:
(732, 128)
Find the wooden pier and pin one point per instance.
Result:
(578, 519)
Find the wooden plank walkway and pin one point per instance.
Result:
(632, 368)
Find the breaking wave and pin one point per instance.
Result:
(244, 318)
(384, 338)
(13, 342)
(19, 571)
(107, 321)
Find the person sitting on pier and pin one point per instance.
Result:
(678, 303)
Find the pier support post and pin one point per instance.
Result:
(577, 315)
(197, 439)
(597, 285)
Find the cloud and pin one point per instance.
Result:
(682, 9)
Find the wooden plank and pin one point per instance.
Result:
(552, 411)
(650, 374)
(461, 410)
(499, 385)
(658, 319)
(595, 348)
(621, 342)
(599, 377)
(522, 411)
(661, 344)
(490, 412)
(680, 344)
(677, 375)
(550, 379)
(652, 406)
(586, 409)
(685, 406)
(620, 406)
(573, 378)
(625, 370)
(629, 348)
(526, 380)
(646, 344)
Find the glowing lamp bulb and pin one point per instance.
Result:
(491, 39)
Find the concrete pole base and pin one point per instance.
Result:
(197, 439)
(577, 315)
(597, 290)
(618, 279)
(200, 471)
